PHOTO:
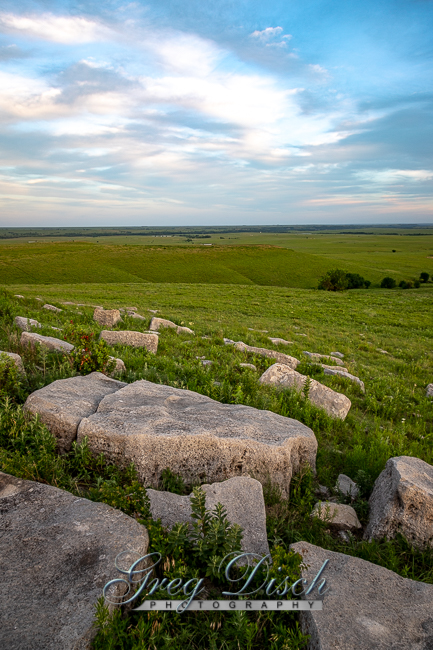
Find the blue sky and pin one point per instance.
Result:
(174, 112)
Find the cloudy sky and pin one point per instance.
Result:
(173, 112)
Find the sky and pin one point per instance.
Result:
(200, 112)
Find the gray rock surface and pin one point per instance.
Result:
(340, 355)
(367, 607)
(335, 404)
(119, 367)
(339, 372)
(63, 404)
(346, 486)
(133, 314)
(241, 496)
(52, 308)
(337, 515)
(280, 341)
(251, 366)
(317, 358)
(184, 330)
(135, 339)
(156, 426)
(228, 342)
(206, 362)
(16, 359)
(338, 368)
(402, 501)
(57, 552)
(48, 342)
(292, 362)
(429, 390)
(18, 295)
(107, 317)
(157, 323)
(26, 324)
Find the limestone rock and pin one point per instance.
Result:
(135, 339)
(157, 323)
(337, 368)
(271, 354)
(26, 324)
(337, 515)
(346, 486)
(133, 314)
(48, 342)
(206, 362)
(429, 390)
(52, 308)
(402, 501)
(63, 404)
(228, 342)
(335, 404)
(16, 359)
(314, 356)
(340, 355)
(119, 367)
(184, 330)
(241, 496)
(365, 606)
(107, 317)
(251, 366)
(57, 552)
(339, 372)
(280, 341)
(156, 427)
(18, 295)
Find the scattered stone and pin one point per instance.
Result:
(340, 355)
(337, 515)
(119, 367)
(364, 607)
(346, 486)
(346, 375)
(228, 342)
(135, 339)
(206, 338)
(156, 426)
(298, 334)
(128, 309)
(184, 330)
(107, 317)
(382, 351)
(253, 330)
(323, 492)
(335, 404)
(63, 404)
(429, 390)
(39, 299)
(57, 552)
(18, 295)
(153, 311)
(402, 502)
(16, 359)
(157, 323)
(344, 536)
(241, 496)
(133, 314)
(314, 356)
(251, 366)
(217, 383)
(292, 362)
(49, 342)
(340, 368)
(52, 308)
(26, 324)
(206, 362)
(280, 341)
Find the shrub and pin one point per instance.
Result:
(406, 284)
(424, 277)
(10, 377)
(388, 283)
(88, 355)
(356, 281)
(334, 280)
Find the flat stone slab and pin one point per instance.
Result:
(367, 607)
(402, 501)
(337, 515)
(339, 372)
(48, 342)
(241, 496)
(57, 552)
(292, 362)
(317, 358)
(132, 338)
(251, 366)
(26, 324)
(52, 308)
(107, 317)
(158, 323)
(156, 426)
(335, 404)
(280, 341)
(63, 404)
(340, 355)
(16, 359)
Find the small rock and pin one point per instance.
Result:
(340, 355)
(382, 351)
(346, 486)
(107, 317)
(49, 342)
(217, 383)
(344, 536)
(299, 334)
(135, 339)
(292, 362)
(18, 295)
(184, 330)
(251, 366)
(26, 324)
(206, 362)
(131, 309)
(337, 515)
(280, 341)
(16, 359)
(323, 492)
(314, 356)
(200, 357)
(133, 314)
(429, 390)
(119, 367)
(340, 368)
(157, 323)
(153, 311)
(206, 338)
(39, 299)
(52, 308)
(228, 342)
(346, 375)
(253, 330)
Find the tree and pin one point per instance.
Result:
(356, 281)
(334, 280)
(388, 283)
(424, 277)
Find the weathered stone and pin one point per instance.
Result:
(206, 362)
(26, 324)
(229, 342)
(339, 368)
(56, 554)
(18, 295)
(429, 390)
(314, 356)
(48, 342)
(339, 372)
(271, 354)
(107, 317)
(156, 426)
(346, 486)
(340, 355)
(133, 314)
(157, 323)
(323, 492)
(16, 360)
(337, 515)
(251, 366)
(119, 367)
(335, 404)
(241, 496)
(63, 404)
(280, 341)
(364, 607)
(52, 308)
(135, 339)
(402, 502)
(184, 330)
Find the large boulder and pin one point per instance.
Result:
(26, 324)
(339, 372)
(335, 404)
(49, 342)
(63, 404)
(57, 552)
(107, 317)
(318, 358)
(292, 362)
(15, 358)
(365, 607)
(241, 496)
(156, 426)
(402, 502)
(135, 339)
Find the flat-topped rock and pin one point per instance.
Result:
(49, 342)
(241, 496)
(156, 426)
(339, 368)
(335, 404)
(52, 308)
(132, 338)
(340, 355)
(337, 515)
(339, 372)
(107, 317)
(316, 357)
(63, 404)
(250, 366)
(292, 362)
(134, 314)
(365, 607)
(57, 552)
(157, 323)
(26, 324)
(15, 358)
(402, 502)
(184, 330)
(280, 341)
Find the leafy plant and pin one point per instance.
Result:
(11, 379)
(88, 354)
(424, 276)
(388, 283)
(334, 280)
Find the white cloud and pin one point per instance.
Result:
(59, 29)
(272, 36)
(393, 176)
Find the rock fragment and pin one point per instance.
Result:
(339, 372)
(316, 357)
(429, 390)
(15, 358)
(107, 317)
(280, 341)
(346, 486)
(52, 308)
(251, 366)
(337, 515)
(135, 339)
(26, 324)
(292, 362)
(48, 342)
(157, 323)
(340, 355)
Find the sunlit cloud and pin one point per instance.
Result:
(59, 29)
